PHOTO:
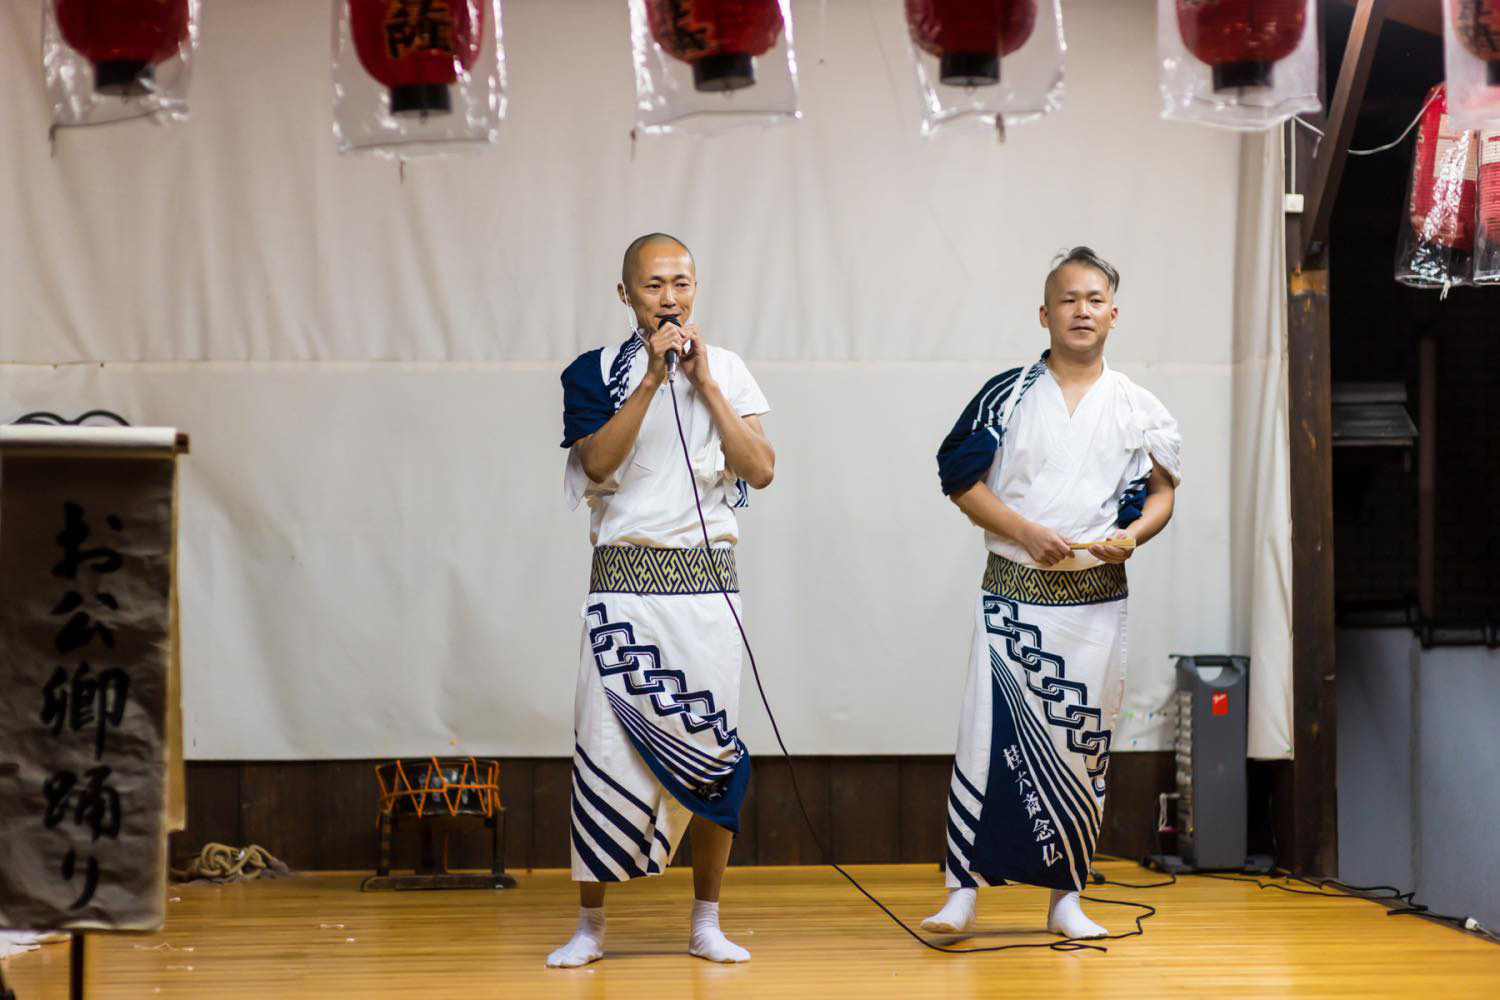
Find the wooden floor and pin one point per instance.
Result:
(811, 935)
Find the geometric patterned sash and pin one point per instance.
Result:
(637, 569)
(1055, 588)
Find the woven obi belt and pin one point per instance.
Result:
(1053, 587)
(636, 569)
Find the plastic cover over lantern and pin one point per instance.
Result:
(1436, 246)
(983, 62)
(110, 60)
(1245, 64)
(1487, 197)
(705, 66)
(1471, 49)
(417, 77)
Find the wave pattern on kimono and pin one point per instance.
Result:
(655, 720)
(1027, 794)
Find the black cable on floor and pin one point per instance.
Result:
(1099, 879)
(1342, 890)
(1373, 893)
(1346, 891)
(1067, 944)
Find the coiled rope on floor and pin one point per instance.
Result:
(222, 863)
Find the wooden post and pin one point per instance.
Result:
(1348, 95)
(1314, 850)
(1314, 784)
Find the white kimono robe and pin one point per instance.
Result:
(1047, 666)
(657, 701)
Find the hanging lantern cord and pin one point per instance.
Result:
(1377, 149)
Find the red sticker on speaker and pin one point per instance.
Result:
(1220, 703)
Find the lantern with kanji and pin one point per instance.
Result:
(1444, 171)
(718, 38)
(1241, 40)
(124, 39)
(417, 48)
(969, 37)
(1478, 27)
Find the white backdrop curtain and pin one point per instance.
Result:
(375, 557)
(1260, 482)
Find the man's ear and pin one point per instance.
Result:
(620, 291)
(1042, 312)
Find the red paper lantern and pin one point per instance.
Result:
(1443, 178)
(1478, 24)
(718, 38)
(417, 48)
(970, 36)
(1241, 39)
(124, 39)
(1489, 185)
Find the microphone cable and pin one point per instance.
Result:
(1067, 944)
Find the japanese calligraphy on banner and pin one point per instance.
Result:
(87, 661)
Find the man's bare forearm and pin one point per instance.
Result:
(1161, 497)
(747, 450)
(602, 451)
(989, 512)
(1044, 545)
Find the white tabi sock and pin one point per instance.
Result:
(587, 943)
(956, 916)
(707, 941)
(1065, 916)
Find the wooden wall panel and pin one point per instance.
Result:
(213, 788)
(321, 814)
(280, 811)
(516, 795)
(551, 798)
(924, 808)
(865, 809)
(746, 849)
(781, 832)
(1136, 780)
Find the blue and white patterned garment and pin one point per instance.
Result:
(1047, 664)
(657, 700)
(649, 498)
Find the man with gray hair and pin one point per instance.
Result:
(1068, 466)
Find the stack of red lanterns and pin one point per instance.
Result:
(124, 39)
(1241, 40)
(417, 48)
(969, 37)
(719, 39)
(1443, 179)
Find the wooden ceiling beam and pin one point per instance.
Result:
(1348, 94)
(1426, 15)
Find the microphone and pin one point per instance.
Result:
(671, 354)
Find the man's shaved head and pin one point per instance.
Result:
(650, 241)
(658, 280)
